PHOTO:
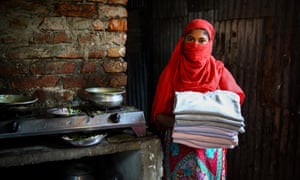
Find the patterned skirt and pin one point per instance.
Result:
(185, 163)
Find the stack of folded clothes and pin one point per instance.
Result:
(207, 120)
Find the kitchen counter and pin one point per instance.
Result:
(28, 151)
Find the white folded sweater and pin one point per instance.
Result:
(205, 120)
(220, 103)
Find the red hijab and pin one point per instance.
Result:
(192, 68)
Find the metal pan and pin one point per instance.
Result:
(14, 100)
(105, 97)
(83, 140)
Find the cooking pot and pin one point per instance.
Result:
(105, 97)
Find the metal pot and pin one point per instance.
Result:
(105, 97)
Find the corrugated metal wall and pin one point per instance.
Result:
(138, 56)
(258, 41)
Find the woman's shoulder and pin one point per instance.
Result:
(219, 65)
(219, 62)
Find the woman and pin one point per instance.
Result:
(191, 68)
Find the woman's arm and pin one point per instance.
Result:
(165, 121)
(228, 82)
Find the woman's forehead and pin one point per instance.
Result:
(198, 33)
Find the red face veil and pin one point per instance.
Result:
(197, 69)
(198, 53)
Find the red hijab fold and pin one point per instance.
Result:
(191, 68)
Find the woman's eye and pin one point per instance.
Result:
(202, 41)
(190, 39)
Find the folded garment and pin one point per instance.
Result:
(207, 139)
(208, 131)
(202, 145)
(221, 103)
(189, 123)
(213, 118)
(207, 120)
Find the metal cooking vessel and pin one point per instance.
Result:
(13, 99)
(16, 102)
(105, 97)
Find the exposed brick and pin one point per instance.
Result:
(117, 80)
(86, 38)
(115, 66)
(35, 82)
(88, 67)
(123, 2)
(38, 68)
(67, 68)
(96, 79)
(98, 25)
(9, 70)
(117, 25)
(100, 81)
(12, 68)
(117, 38)
(17, 24)
(100, 1)
(113, 11)
(97, 53)
(53, 96)
(40, 52)
(30, 7)
(60, 37)
(53, 23)
(7, 39)
(52, 68)
(41, 94)
(69, 52)
(28, 52)
(79, 23)
(74, 82)
(120, 39)
(44, 44)
(116, 52)
(87, 80)
(76, 10)
(51, 37)
(39, 38)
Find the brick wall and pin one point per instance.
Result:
(51, 49)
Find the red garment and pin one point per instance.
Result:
(192, 67)
(180, 74)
